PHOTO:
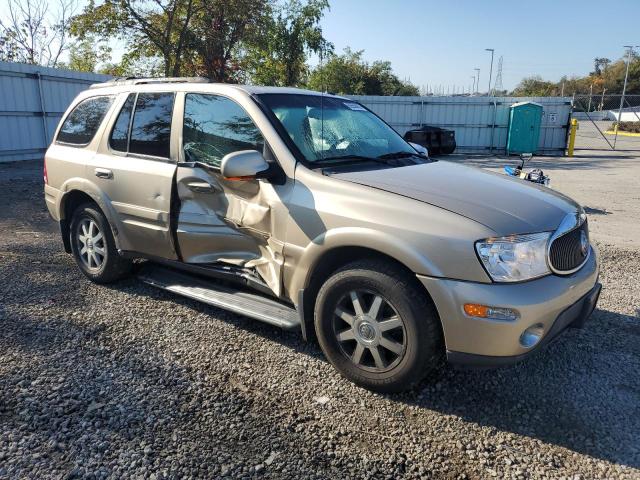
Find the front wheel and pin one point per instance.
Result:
(377, 327)
(93, 246)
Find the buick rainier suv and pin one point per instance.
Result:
(307, 211)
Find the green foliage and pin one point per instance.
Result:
(259, 41)
(226, 40)
(85, 55)
(535, 86)
(149, 28)
(279, 55)
(607, 76)
(219, 31)
(349, 74)
(600, 64)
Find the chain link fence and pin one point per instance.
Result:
(607, 122)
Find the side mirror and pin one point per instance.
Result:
(244, 165)
(423, 150)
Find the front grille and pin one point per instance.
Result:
(567, 251)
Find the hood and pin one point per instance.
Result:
(504, 204)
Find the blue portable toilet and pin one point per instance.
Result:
(523, 135)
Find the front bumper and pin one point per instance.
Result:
(555, 302)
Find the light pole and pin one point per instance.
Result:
(624, 88)
(490, 70)
(477, 80)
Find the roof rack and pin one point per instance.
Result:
(145, 81)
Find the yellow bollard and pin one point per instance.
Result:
(572, 136)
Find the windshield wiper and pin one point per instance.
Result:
(402, 154)
(351, 159)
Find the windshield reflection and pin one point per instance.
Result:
(325, 127)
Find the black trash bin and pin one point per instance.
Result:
(439, 141)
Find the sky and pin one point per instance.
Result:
(441, 42)
(438, 44)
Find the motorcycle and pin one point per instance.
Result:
(535, 176)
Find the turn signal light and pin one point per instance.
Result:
(475, 310)
(494, 313)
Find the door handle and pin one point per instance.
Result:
(103, 173)
(201, 187)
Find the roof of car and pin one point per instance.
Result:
(128, 83)
(258, 89)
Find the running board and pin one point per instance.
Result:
(227, 297)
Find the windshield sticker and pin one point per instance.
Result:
(354, 106)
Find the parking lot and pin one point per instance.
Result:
(129, 381)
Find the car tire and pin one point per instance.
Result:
(94, 248)
(378, 327)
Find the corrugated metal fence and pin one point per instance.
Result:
(32, 100)
(480, 123)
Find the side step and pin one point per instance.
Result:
(227, 297)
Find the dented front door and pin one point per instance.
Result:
(229, 222)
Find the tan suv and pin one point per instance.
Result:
(307, 211)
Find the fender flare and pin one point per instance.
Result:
(88, 188)
(382, 242)
(376, 241)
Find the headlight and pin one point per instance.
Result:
(515, 258)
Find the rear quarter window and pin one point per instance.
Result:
(119, 138)
(83, 122)
(151, 126)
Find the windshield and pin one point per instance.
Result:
(329, 128)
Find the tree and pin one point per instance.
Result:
(607, 76)
(85, 55)
(614, 76)
(219, 30)
(32, 34)
(279, 56)
(149, 27)
(535, 86)
(600, 64)
(349, 74)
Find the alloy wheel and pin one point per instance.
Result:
(369, 331)
(91, 246)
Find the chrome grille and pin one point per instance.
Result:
(566, 253)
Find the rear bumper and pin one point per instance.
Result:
(553, 301)
(52, 200)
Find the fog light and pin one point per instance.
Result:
(532, 335)
(494, 313)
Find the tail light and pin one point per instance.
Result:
(44, 173)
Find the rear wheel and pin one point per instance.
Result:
(93, 246)
(377, 327)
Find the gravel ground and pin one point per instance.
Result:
(130, 381)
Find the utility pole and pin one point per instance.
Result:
(624, 88)
(490, 70)
(602, 100)
(477, 80)
(590, 95)
(474, 84)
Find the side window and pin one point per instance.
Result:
(215, 126)
(120, 132)
(151, 127)
(83, 122)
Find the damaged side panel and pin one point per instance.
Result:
(231, 222)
